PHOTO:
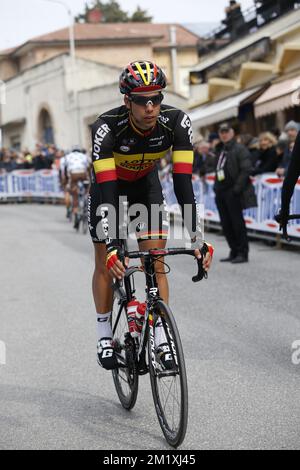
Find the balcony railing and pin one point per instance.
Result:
(241, 23)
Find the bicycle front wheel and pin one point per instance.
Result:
(126, 377)
(169, 387)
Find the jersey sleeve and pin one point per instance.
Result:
(106, 177)
(291, 178)
(183, 157)
(102, 153)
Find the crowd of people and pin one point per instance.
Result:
(42, 158)
(269, 152)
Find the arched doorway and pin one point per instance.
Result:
(46, 134)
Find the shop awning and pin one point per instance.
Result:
(277, 97)
(221, 110)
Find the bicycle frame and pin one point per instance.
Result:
(125, 294)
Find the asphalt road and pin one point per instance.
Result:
(237, 330)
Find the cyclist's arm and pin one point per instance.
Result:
(106, 177)
(183, 156)
(291, 178)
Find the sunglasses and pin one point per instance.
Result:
(146, 100)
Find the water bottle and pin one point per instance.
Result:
(140, 315)
(131, 317)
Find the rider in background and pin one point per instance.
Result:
(63, 179)
(77, 165)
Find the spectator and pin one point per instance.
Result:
(204, 159)
(28, 160)
(214, 140)
(234, 192)
(6, 163)
(50, 156)
(280, 150)
(40, 162)
(291, 129)
(267, 158)
(234, 20)
(254, 150)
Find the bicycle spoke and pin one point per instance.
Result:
(167, 392)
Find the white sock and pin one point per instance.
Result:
(159, 334)
(103, 325)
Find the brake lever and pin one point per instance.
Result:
(285, 234)
(282, 226)
(201, 272)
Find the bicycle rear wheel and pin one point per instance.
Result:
(84, 223)
(169, 387)
(126, 377)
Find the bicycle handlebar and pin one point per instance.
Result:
(283, 224)
(172, 252)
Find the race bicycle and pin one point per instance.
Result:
(283, 224)
(138, 356)
(82, 214)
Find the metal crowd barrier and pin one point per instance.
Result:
(260, 220)
(43, 186)
(31, 186)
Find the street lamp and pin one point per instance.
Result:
(71, 28)
(73, 64)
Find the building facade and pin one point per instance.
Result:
(251, 82)
(55, 102)
(172, 46)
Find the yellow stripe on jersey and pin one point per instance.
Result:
(183, 156)
(105, 164)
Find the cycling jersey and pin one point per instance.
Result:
(123, 152)
(62, 164)
(292, 176)
(76, 162)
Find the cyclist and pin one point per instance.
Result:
(63, 179)
(77, 166)
(127, 143)
(289, 183)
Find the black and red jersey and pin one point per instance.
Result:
(122, 152)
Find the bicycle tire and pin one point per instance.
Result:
(126, 379)
(84, 224)
(173, 436)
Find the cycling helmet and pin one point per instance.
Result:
(142, 76)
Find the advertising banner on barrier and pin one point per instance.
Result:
(30, 183)
(45, 184)
(268, 190)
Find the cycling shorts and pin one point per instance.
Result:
(152, 223)
(74, 178)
